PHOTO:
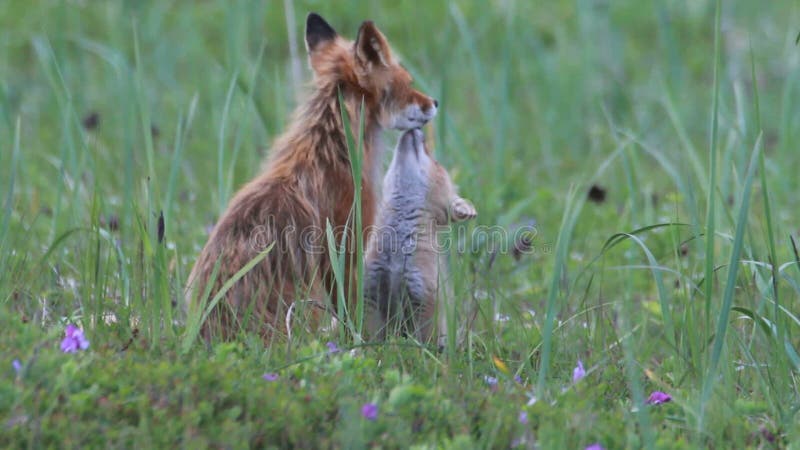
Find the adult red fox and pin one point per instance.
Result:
(405, 275)
(305, 183)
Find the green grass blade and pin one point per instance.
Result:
(633, 375)
(337, 258)
(222, 194)
(663, 296)
(7, 207)
(711, 198)
(730, 285)
(144, 114)
(181, 134)
(355, 151)
(762, 168)
(571, 211)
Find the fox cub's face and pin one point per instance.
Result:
(415, 171)
(367, 66)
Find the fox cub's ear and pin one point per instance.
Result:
(317, 31)
(371, 47)
(461, 210)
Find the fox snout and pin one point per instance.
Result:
(431, 106)
(431, 109)
(427, 108)
(416, 113)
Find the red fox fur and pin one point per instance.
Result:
(305, 183)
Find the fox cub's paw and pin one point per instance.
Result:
(461, 210)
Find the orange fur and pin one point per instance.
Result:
(305, 183)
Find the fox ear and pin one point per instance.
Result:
(461, 210)
(371, 47)
(317, 31)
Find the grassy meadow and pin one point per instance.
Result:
(652, 144)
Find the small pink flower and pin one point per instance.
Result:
(74, 340)
(270, 376)
(369, 411)
(578, 372)
(658, 397)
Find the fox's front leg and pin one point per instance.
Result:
(424, 319)
(375, 321)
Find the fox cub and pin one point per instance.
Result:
(306, 184)
(405, 275)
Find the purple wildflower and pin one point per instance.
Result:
(595, 446)
(74, 340)
(270, 376)
(578, 372)
(518, 379)
(658, 397)
(523, 417)
(369, 411)
(332, 347)
(16, 365)
(491, 381)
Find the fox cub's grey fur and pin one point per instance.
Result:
(406, 282)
